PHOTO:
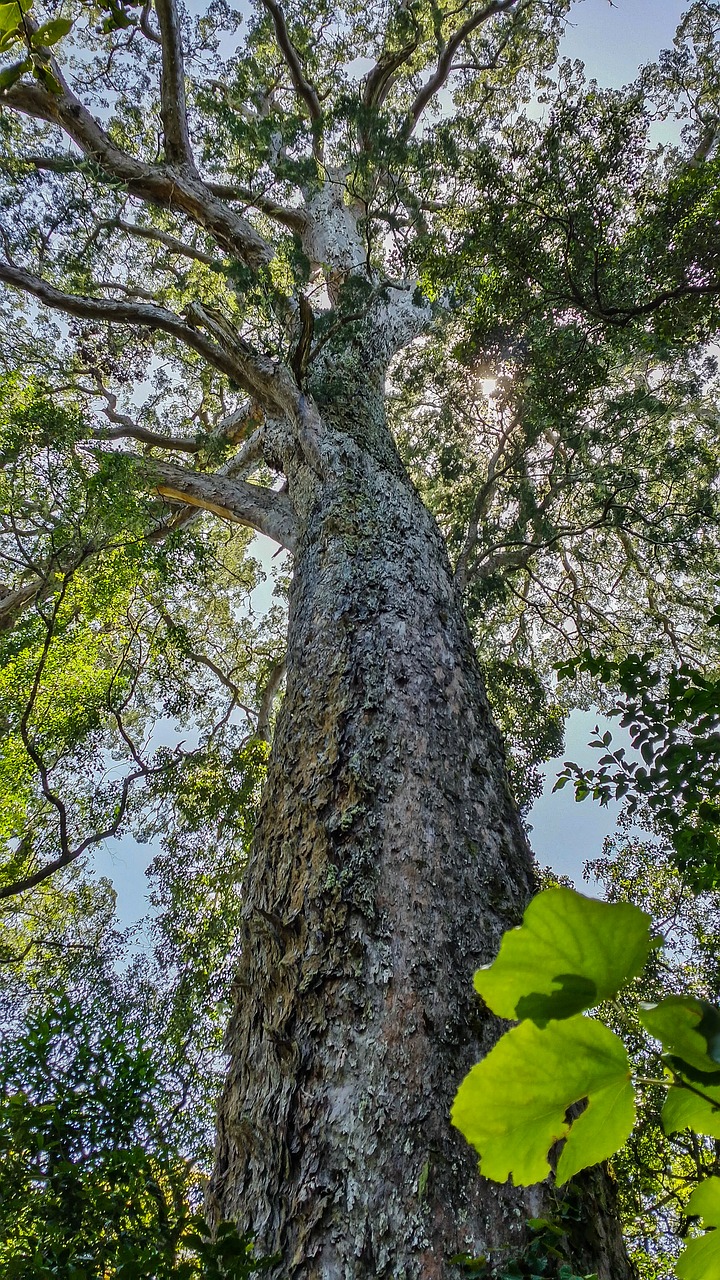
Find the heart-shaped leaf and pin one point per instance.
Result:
(569, 953)
(512, 1106)
(50, 32)
(685, 1109)
(11, 14)
(700, 1259)
(689, 1029)
(10, 74)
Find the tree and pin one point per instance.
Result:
(239, 241)
(673, 724)
(92, 1181)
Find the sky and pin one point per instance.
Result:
(613, 41)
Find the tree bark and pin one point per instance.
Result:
(388, 860)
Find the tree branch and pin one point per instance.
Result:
(381, 79)
(444, 65)
(304, 90)
(274, 680)
(145, 27)
(173, 243)
(480, 505)
(15, 602)
(237, 500)
(257, 374)
(203, 660)
(71, 855)
(169, 188)
(173, 106)
(155, 439)
(294, 219)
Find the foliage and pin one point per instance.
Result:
(91, 1182)
(555, 420)
(572, 267)
(656, 1171)
(570, 954)
(512, 1106)
(702, 1256)
(522, 1099)
(531, 722)
(115, 645)
(164, 173)
(674, 726)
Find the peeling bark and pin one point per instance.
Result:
(388, 860)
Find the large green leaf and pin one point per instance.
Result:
(689, 1030)
(512, 1106)
(10, 14)
(700, 1259)
(50, 32)
(569, 953)
(685, 1109)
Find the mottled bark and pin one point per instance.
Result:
(389, 858)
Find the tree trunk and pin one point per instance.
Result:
(388, 860)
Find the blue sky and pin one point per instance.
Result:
(613, 41)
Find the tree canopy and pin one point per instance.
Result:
(558, 413)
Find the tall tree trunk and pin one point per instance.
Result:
(388, 860)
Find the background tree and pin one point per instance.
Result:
(239, 239)
(92, 1181)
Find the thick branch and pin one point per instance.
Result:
(169, 188)
(270, 692)
(303, 88)
(173, 107)
(145, 27)
(293, 219)
(706, 143)
(444, 66)
(258, 374)
(14, 604)
(380, 80)
(155, 439)
(237, 500)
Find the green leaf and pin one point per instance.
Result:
(46, 77)
(10, 74)
(570, 953)
(512, 1106)
(10, 14)
(688, 1028)
(686, 1110)
(50, 32)
(705, 1202)
(700, 1259)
